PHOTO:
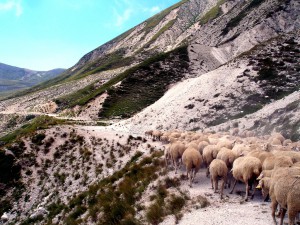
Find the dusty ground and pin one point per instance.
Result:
(231, 210)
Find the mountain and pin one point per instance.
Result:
(13, 78)
(75, 146)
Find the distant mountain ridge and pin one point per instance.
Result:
(13, 78)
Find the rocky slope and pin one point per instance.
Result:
(199, 65)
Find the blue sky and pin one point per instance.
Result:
(47, 34)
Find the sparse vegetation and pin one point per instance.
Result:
(39, 123)
(150, 80)
(213, 13)
(236, 20)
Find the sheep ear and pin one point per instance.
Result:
(258, 187)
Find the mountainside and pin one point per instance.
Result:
(75, 146)
(13, 78)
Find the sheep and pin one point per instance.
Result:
(148, 133)
(282, 161)
(246, 169)
(228, 157)
(192, 160)
(287, 142)
(261, 155)
(275, 141)
(218, 168)
(297, 164)
(208, 156)
(176, 150)
(264, 184)
(164, 139)
(240, 149)
(278, 136)
(277, 161)
(225, 143)
(268, 163)
(167, 154)
(265, 173)
(286, 192)
(156, 134)
(202, 145)
(295, 156)
(193, 144)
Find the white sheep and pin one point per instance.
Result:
(192, 160)
(176, 150)
(246, 169)
(217, 169)
(208, 152)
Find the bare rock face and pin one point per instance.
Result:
(49, 107)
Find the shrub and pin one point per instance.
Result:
(155, 213)
(38, 139)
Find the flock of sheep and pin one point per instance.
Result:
(272, 161)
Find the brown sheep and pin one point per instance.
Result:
(265, 173)
(176, 150)
(227, 156)
(156, 134)
(149, 133)
(164, 139)
(264, 184)
(295, 156)
(287, 142)
(218, 169)
(202, 145)
(282, 161)
(278, 136)
(192, 160)
(268, 163)
(286, 192)
(246, 169)
(225, 143)
(240, 149)
(261, 155)
(208, 156)
(167, 154)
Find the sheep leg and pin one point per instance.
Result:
(229, 180)
(274, 205)
(207, 172)
(216, 184)
(212, 182)
(247, 191)
(175, 165)
(267, 198)
(194, 174)
(252, 196)
(222, 188)
(292, 216)
(166, 162)
(235, 181)
(282, 214)
(190, 177)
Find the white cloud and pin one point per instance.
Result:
(155, 9)
(125, 9)
(11, 5)
(122, 18)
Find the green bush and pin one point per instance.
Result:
(38, 139)
(155, 213)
